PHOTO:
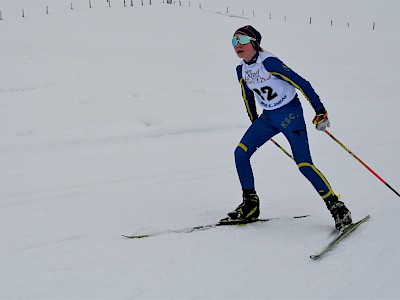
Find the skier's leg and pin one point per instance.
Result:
(294, 128)
(257, 135)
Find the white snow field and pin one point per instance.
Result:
(123, 120)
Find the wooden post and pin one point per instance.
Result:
(310, 20)
(373, 26)
(23, 13)
(72, 7)
(254, 14)
(1, 15)
(270, 16)
(90, 3)
(47, 10)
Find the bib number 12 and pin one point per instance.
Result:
(266, 90)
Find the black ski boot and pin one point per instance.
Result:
(249, 209)
(339, 212)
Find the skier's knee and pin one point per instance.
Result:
(306, 168)
(241, 153)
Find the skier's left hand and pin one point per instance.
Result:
(321, 120)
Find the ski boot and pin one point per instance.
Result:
(339, 212)
(247, 212)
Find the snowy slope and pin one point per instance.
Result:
(123, 120)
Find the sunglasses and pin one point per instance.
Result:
(242, 39)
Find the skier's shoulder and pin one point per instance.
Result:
(263, 55)
(270, 61)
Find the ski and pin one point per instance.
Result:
(204, 227)
(342, 234)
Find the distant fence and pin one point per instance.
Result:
(243, 14)
(70, 6)
(284, 18)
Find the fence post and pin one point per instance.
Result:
(1, 15)
(23, 13)
(373, 26)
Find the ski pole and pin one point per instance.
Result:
(283, 149)
(364, 164)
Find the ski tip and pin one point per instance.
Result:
(300, 217)
(365, 218)
(136, 236)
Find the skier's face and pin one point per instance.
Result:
(245, 51)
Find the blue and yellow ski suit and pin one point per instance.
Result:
(267, 80)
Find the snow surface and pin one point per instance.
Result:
(123, 120)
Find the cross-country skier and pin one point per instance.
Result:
(266, 79)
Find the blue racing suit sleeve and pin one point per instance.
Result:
(277, 68)
(248, 96)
